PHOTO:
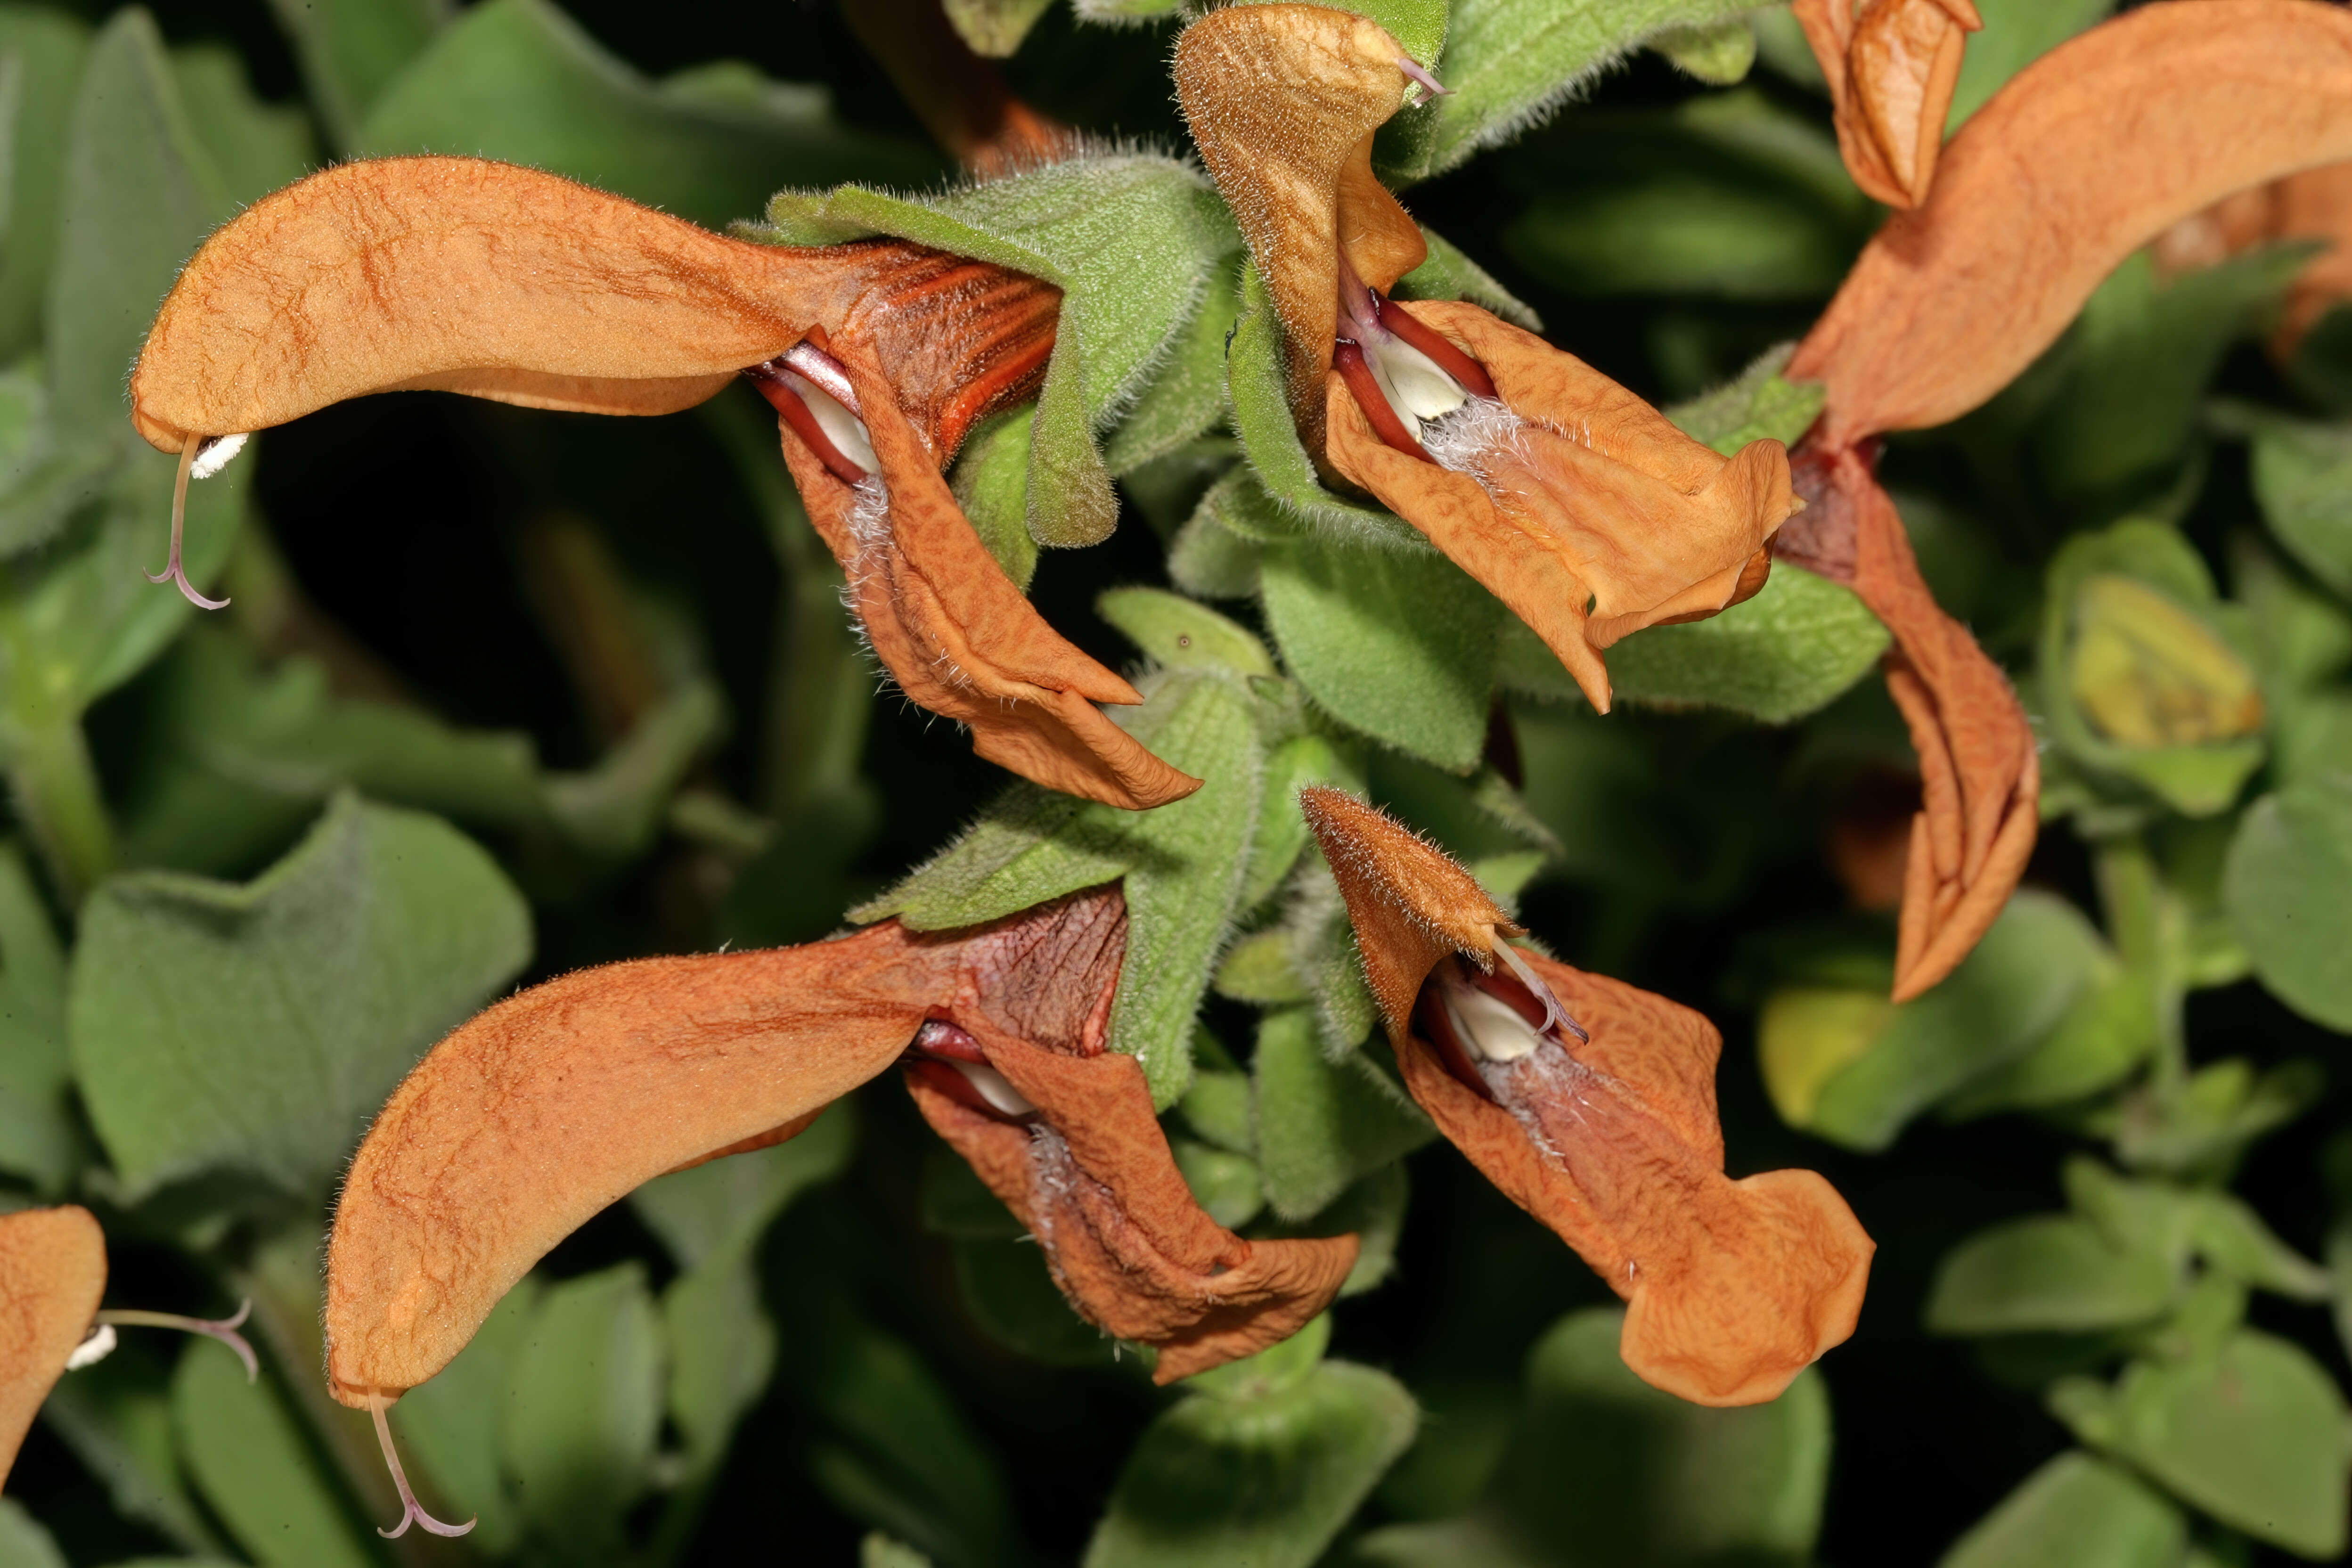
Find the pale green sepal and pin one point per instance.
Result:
(1177, 632)
(1262, 418)
(1324, 1123)
(1719, 54)
(1511, 62)
(1077, 225)
(992, 486)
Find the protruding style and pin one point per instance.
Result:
(1591, 1105)
(1569, 498)
(464, 274)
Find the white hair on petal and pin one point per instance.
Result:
(1469, 439)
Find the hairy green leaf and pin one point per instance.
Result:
(2077, 1511)
(2051, 1273)
(254, 1465)
(1079, 225)
(1323, 1123)
(41, 55)
(520, 81)
(350, 50)
(257, 1027)
(2288, 868)
(584, 1409)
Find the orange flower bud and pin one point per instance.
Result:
(1591, 1105)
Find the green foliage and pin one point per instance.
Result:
(2286, 891)
(2075, 1510)
(845, 1341)
(1074, 224)
(255, 1468)
(1511, 62)
(1603, 1469)
(1323, 1123)
(257, 1028)
(1844, 1064)
(2252, 1432)
(518, 79)
(1264, 1466)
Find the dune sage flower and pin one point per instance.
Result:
(2039, 195)
(1569, 498)
(52, 1274)
(464, 274)
(1891, 66)
(1591, 1105)
(541, 1110)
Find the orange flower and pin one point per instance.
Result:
(1591, 1105)
(1569, 498)
(2041, 194)
(1891, 66)
(52, 1273)
(462, 275)
(541, 1111)
(2314, 204)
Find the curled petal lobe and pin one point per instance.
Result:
(2086, 155)
(465, 275)
(52, 1273)
(1090, 1172)
(1606, 1131)
(948, 625)
(539, 1111)
(1572, 500)
(1891, 66)
(1981, 778)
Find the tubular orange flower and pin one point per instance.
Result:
(1591, 1105)
(1891, 66)
(462, 275)
(543, 1110)
(1569, 498)
(52, 1273)
(2041, 194)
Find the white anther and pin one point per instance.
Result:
(1415, 386)
(215, 455)
(845, 430)
(93, 1350)
(1488, 1027)
(993, 1086)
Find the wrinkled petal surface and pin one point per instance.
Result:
(52, 1273)
(538, 1112)
(1595, 517)
(1891, 70)
(2082, 157)
(1733, 1287)
(1095, 1182)
(465, 275)
(956, 635)
(1282, 101)
(1979, 771)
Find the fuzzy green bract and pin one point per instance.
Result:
(1263, 1466)
(1133, 240)
(1180, 866)
(1511, 62)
